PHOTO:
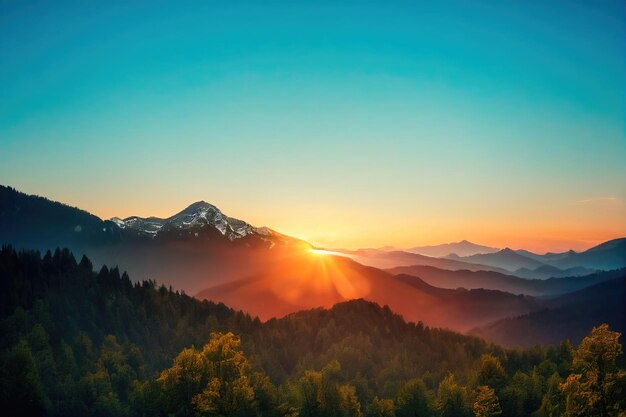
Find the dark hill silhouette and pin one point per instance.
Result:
(570, 316)
(549, 271)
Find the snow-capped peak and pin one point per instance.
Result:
(196, 216)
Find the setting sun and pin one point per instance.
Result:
(324, 252)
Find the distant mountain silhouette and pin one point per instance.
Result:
(570, 316)
(608, 255)
(505, 259)
(391, 259)
(502, 282)
(462, 248)
(549, 271)
(547, 257)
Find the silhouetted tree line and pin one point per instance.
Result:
(74, 342)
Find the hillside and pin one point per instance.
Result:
(502, 282)
(569, 316)
(321, 281)
(75, 342)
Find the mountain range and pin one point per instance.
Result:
(202, 251)
(384, 259)
(608, 255)
(497, 281)
(462, 248)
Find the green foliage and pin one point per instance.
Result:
(597, 389)
(211, 382)
(486, 404)
(414, 400)
(21, 392)
(491, 372)
(381, 408)
(451, 399)
(552, 402)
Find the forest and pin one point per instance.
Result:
(75, 342)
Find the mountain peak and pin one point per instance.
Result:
(198, 206)
(194, 217)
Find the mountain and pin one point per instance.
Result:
(391, 259)
(462, 248)
(570, 316)
(549, 271)
(608, 255)
(505, 259)
(324, 280)
(36, 222)
(191, 221)
(33, 222)
(190, 250)
(546, 257)
(476, 305)
(496, 281)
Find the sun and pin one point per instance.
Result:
(324, 252)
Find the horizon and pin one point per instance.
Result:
(345, 126)
(580, 247)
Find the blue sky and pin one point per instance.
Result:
(346, 123)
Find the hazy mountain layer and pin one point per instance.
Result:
(462, 248)
(496, 281)
(569, 316)
(606, 256)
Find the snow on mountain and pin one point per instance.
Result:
(197, 216)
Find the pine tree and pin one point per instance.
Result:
(487, 403)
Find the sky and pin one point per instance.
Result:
(349, 124)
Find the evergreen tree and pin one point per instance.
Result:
(451, 399)
(487, 403)
(413, 400)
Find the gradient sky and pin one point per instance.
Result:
(347, 123)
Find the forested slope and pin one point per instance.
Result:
(77, 342)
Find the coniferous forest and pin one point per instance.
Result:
(75, 342)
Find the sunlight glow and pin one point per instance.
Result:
(324, 252)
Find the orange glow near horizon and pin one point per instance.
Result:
(554, 226)
(324, 252)
(317, 277)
